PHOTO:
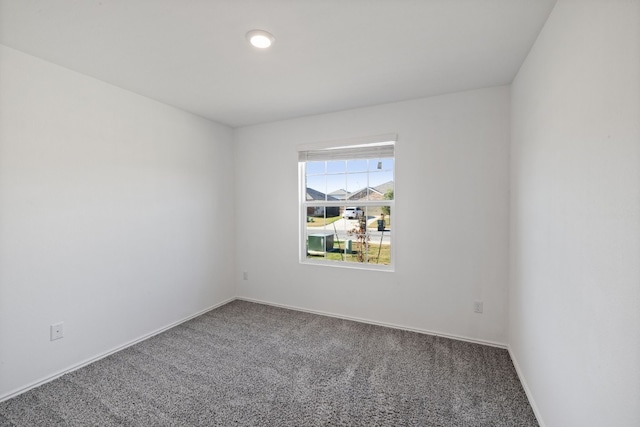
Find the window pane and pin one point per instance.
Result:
(356, 165)
(316, 187)
(336, 166)
(319, 236)
(379, 236)
(358, 236)
(379, 248)
(379, 178)
(382, 185)
(336, 185)
(357, 185)
(314, 168)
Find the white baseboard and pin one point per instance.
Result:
(86, 362)
(526, 388)
(374, 322)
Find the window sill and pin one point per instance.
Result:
(349, 265)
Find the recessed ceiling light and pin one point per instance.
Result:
(260, 39)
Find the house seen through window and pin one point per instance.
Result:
(346, 203)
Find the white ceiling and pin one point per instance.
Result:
(329, 55)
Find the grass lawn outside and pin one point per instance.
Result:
(384, 252)
(321, 222)
(387, 223)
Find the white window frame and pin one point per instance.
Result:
(345, 148)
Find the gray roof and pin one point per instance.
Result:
(383, 188)
(380, 189)
(318, 195)
(340, 194)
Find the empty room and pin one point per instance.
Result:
(320, 212)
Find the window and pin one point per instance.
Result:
(346, 202)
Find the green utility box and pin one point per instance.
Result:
(319, 243)
(348, 246)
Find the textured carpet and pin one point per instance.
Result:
(247, 364)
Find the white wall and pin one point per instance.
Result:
(450, 219)
(115, 217)
(575, 277)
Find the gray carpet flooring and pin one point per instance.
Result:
(247, 364)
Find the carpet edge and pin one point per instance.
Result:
(375, 322)
(99, 356)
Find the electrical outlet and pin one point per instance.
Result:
(56, 331)
(245, 276)
(477, 307)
